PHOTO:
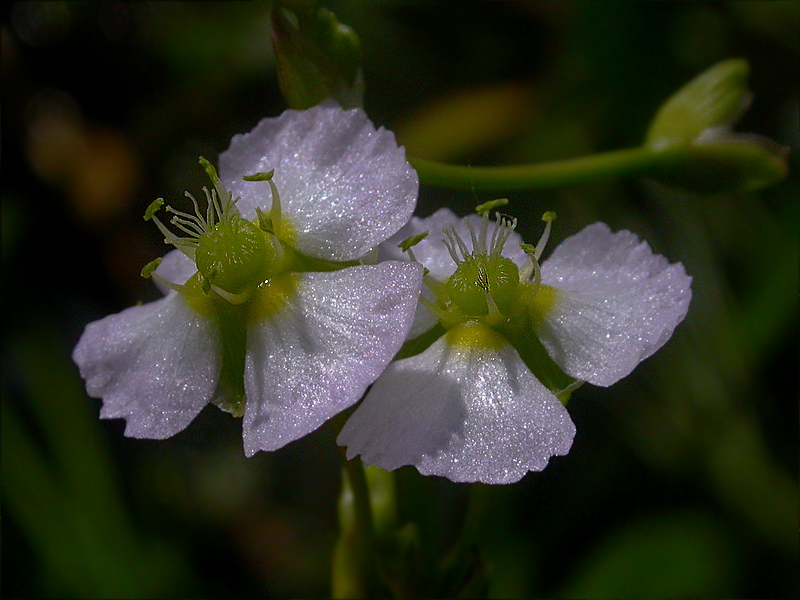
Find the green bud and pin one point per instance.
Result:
(715, 98)
(692, 133)
(318, 58)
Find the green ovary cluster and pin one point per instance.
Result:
(235, 256)
(482, 279)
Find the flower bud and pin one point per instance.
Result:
(715, 98)
(699, 150)
(318, 58)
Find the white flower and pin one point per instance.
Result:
(260, 315)
(480, 403)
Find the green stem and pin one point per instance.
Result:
(597, 167)
(355, 557)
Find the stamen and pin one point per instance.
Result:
(449, 245)
(187, 227)
(197, 214)
(548, 218)
(275, 209)
(475, 246)
(226, 201)
(406, 244)
(532, 267)
(487, 207)
(461, 245)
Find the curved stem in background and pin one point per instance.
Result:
(597, 167)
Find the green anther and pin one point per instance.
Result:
(154, 207)
(487, 207)
(412, 241)
(147, 270)
(210, 171)
(264, 221)
(549, 216)
(260, 176)
(528, 249)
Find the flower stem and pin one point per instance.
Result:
(597, 167)
(354, 567)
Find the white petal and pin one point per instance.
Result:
(176, 268)
(616, 303)
(344, 185)
(318, 354)
(465, 414)
(155, 365)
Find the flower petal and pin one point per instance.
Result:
(468, 414)
(176, 268)
(155, 365)
(615, 304)
(344, 185)
(318, 354)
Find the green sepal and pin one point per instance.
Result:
(296, 262)
(317, 57)
(232, 320)
(421, 343)
(739, 163)
(717, 97)
(535, 356)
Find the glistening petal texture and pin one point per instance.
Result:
(468, 414)
(616, 303)
(318, 354)
(344, 185)
(155, 365)
(176, 268)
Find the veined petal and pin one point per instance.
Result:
(615, 303)
(468, 413)
(345, 186)
(176, 268)
(319, 352)
(155, 365)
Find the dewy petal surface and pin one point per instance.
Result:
(155, 365)
(318, 354)
(468, 414)
(616, 303)
(176, 268)
(345, 186)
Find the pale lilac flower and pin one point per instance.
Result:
(481, 403)
(261, 316)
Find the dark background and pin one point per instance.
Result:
(682, 481)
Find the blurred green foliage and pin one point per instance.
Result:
(682, 481)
